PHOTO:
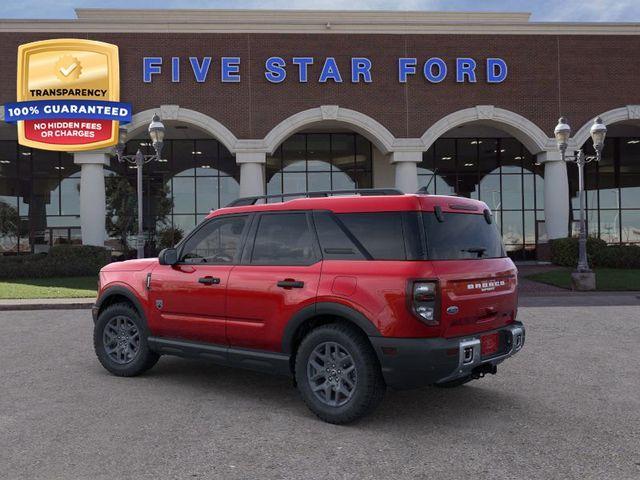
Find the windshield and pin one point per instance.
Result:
(461, 236)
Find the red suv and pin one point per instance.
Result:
(347, 294)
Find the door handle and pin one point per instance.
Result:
(290, 283)
(209, 280)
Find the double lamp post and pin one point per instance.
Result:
(156, 133)
(583, 278)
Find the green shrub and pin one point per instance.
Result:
(564, 252)
(61, 261)
(618, 256)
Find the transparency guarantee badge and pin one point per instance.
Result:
(68, 95)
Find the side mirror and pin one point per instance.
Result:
(168, 256)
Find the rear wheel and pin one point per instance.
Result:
(120, 341)
(337, 373)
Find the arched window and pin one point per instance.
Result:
(498, 171)
(320, 161)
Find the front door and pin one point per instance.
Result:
(188, 299)
(278, 275)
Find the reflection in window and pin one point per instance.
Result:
(320, 161)
(39, 199)
(498, 171)
(216, 243)
(612, 191)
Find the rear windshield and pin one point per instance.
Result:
(461, 236)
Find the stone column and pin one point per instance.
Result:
(92, 195)
(406, 166)
(556, 194)
(251, 172)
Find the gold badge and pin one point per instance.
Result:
(68, 70)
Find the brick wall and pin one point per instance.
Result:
(578, 76)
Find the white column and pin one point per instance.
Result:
(92, 195)
(251, 173)
(406, 166)
(556, 194)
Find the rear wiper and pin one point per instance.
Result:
(477, 250)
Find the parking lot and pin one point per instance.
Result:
(567, 407)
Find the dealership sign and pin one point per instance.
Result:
(323, 70)
(68, 95)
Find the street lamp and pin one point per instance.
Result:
(156, 133)
(598, 132)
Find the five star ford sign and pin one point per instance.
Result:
(68, 95)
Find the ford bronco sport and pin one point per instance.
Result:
(348, 294)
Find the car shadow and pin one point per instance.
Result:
(466, 403)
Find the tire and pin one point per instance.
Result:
(455, 383)
(120, 341)
(342, 395)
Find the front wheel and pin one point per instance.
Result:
(120, 341)
(338, 374)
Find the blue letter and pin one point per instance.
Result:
(496, 70)
(200, 71)
(428, 70)
(360, 66)
(303, 63)
(275, 69)
(150, 66)
(175, 69)
(230, 70)
(465, 66)
(406, 66)
(330, 71)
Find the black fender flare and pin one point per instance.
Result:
(125, 292)
(325, 308)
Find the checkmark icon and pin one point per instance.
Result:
(68, 68)
(66, 71)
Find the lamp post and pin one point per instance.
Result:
(583, 278)
(156, 133)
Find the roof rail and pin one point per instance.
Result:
(243, 201)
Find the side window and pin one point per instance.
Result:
(284, 239)
(335, 243)
(379, 233)
(217, 242)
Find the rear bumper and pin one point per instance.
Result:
(415, 362)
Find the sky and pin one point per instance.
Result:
(542, 10)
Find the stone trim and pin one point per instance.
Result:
(309, 21)
(629, 112)
(382, 138)
(140, 121)
(532, 136)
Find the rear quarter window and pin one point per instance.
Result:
(381, 234)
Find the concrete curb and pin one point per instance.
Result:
(46, 304)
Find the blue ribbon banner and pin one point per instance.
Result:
(67, 109)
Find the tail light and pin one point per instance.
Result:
(423, 301)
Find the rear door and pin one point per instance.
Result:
(478, 281)
(278, 275)
(188, 300)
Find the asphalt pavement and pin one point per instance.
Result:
(568, 406)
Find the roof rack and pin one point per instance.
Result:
(241, 202)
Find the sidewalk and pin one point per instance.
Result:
(46, 304)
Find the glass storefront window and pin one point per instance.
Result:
(630, 222)
(612, 191)
(498, 171)
(320, 161)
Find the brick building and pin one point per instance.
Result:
(282, 101)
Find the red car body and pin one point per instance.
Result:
(247, 315)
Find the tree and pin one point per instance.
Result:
(122, 208)
(9, 221)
